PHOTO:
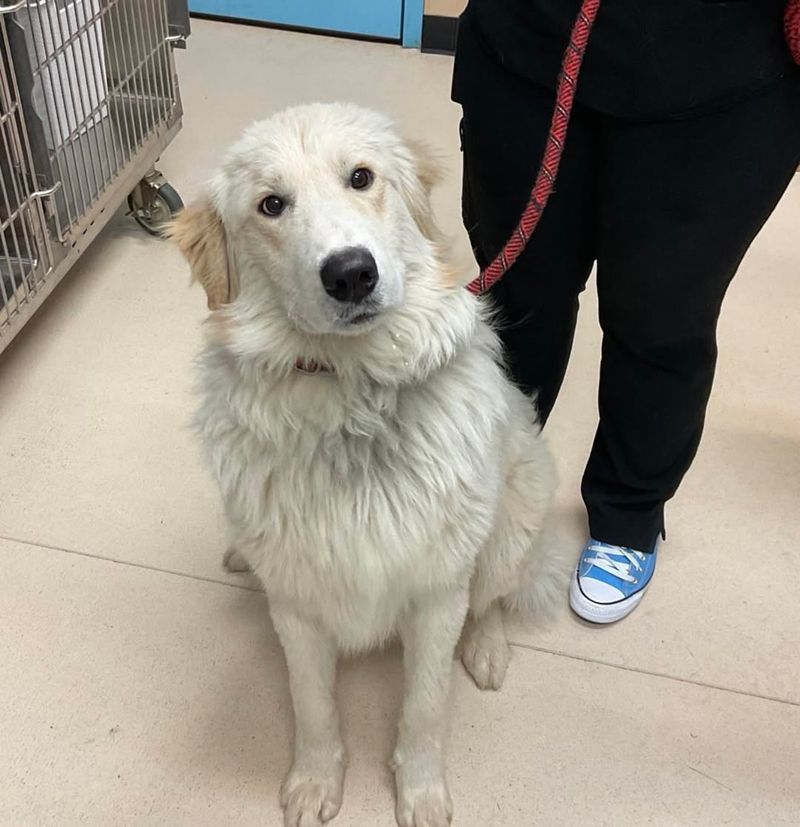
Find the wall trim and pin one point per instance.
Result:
(439, 34)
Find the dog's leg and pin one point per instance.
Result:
(485, 652)
(430, 633)
(312, 792)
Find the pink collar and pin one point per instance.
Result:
(311, 367)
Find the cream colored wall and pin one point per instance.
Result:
(445, 8)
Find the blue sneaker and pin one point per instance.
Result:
(609, 581)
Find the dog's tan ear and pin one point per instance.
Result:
(418, 180)
(200, 235)
(428, 164)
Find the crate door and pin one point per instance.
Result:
(375, 18)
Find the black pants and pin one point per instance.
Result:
(667, 210)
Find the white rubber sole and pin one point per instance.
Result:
(599, 612)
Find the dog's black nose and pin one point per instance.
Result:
(349, 275)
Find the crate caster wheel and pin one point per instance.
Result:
(153, 203)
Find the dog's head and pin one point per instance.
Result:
(322, 210)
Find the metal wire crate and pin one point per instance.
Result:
(88, 100)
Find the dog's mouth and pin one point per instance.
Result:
(364, 317)
(359, 316)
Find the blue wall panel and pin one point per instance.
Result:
(376, 18)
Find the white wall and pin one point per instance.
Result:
(445, 8)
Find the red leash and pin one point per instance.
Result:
(791, 26)
(556, 137)
(554, 148)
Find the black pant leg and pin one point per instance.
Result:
(681, 203)
(505, 124)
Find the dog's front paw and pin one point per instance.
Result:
(485, 656)
(234, 561)
(423, 803)
(311, 799)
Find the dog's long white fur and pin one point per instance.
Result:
(401, 493)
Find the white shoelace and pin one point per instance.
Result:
(619, 568)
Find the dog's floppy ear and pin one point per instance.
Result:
(200, 235)
(420, 173)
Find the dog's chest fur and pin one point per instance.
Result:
(352, 497)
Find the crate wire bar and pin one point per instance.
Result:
(88, 100)
(26, 254)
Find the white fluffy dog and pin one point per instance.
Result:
(380, 474)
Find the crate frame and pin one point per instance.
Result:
(60, 180)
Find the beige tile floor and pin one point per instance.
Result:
(141, 685)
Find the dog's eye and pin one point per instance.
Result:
(361, 178)
(272, 205)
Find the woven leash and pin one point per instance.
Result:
(554, 148)
(791, 26)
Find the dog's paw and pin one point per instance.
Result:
(485, 657)
(424, 806)
(234, 561)
(311, 799)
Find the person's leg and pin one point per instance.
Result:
(681, 203)
(504, 128)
